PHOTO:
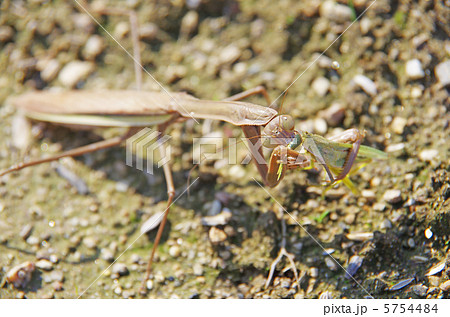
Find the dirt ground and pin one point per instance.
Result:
(379, 72)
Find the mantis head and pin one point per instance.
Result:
(279, 131)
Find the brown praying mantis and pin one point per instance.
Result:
(340, 156)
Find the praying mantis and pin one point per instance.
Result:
(339, 156)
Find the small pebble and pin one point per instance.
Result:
(414, 69)
(74, 72)
(428, 233)
(331, 264)
(428, 155)
(90, 242)
(107, 255)
(215, 209)
(379, 207)
(54, 258)
(189, 23)
(434, 281)
(368, 194)
(25, 232)
(323, 61)
(360, 236)
(120, 269)
(436, 269)
(50, 70)
(33, 240)
(336, 12)
(321, 85)
(152, 222)
(395, 147)
(314, 272)
(45, 265)
(366, 84)
(420, 290)
(135, 258)
(328, 251)
(401, 284)
(420, 259)
(57, 286)
(236, 171)
(198, 269)
(159, 277)
(121, 29)
(6, 33)
(365, 25)
(349, 219)
(386, 224)
(411, 243)
(174, 251)
(20, 295)
(20, 133)
(398, 125)
(93, 47)
(445, 286)
(393, 196)
(416, 92)
(149, 284)
(129, 293)
(118, 290)
(56, 275)
(218, 220)
(73, 179)
(334, 114)
(148, 31)
(320, 126)
(442, 72)
(217, 235)
(229, 54)
(121, 187)
(354, 264)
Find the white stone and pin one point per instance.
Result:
(366, 84)
(442, 72)
(392, 196)
(44, 265)
(74, 72)
(321, 85)
(50, 70)
(428, 155)
(336, 12)
(398, 125)
(414, 69)
(93, 47)
(229, 54)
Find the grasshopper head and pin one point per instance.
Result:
(279, 131)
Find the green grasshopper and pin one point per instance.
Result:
(340, 156)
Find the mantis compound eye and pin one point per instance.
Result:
(287, 123)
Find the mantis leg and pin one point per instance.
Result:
(253, 133)
(250, 92)
(74, 152)
(171, 194)
(283, 158)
